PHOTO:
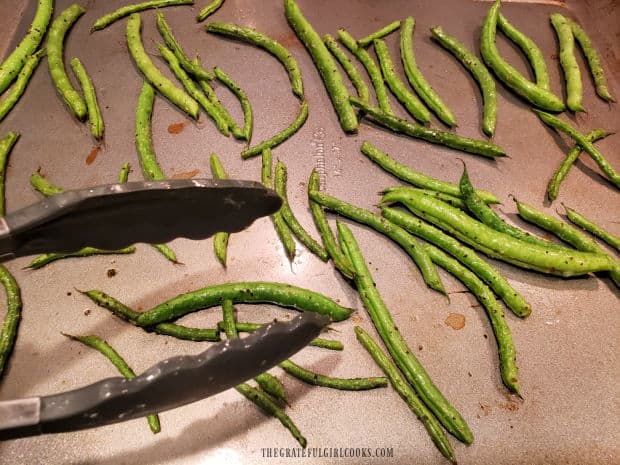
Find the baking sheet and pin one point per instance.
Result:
(567, 348)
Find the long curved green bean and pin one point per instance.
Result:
(284, 295)
(506, 73)
(45, 259)
(345, 384)
(119, 362)
(594, 62)
(13, 64)
(570, 68)
(10, 325)
(349, 68)
(23, 78)
(280, 137)
(480, 73)
(410, 101)
(90, 98)
(6, 146)
(384, 31)
(127, 10)
(289, 217)
(220, 239)
(332, 79)
(144, 139)
(434, 136)
(529, 48)
(413, 248)
(55, 40)
(123, 175)
(500, 245)
(42, 185)
(371, 68)
(449, 199)
(413, 370)
(406, 393)
(581, 139)
(272, 46)
(594, 229)
(209, 10)
(553, 187)
(244, 133)
(163, 85)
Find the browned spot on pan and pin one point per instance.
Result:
(176, 128)
(288, 40)
(92, 156)
(186, 175)
(455, 321)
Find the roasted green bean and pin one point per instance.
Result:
(209, 10)
(6, 146)
(90, 98)
(123, 175)
(220, 239)
(10, 325)
(384, 31)
(45, 259)
(449, 199)
(16, 91)
(244, 133)
(42, 185)
(594, 229)
(570, 68)
(345, 384)
(349, 68)
(127, 10)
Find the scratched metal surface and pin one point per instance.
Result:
(567, 349)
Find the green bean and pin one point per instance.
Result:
(209, 10)
(220, 239)
(384, 31)
(280, 137)
(10, 325)
(554, 183)
(13, 64)
(500, 245)
(121, 365)
(272, 46)
(406, 393)
(42, 185)
(584, 223)
(284, 295)
(345, 384)
(289, 217)
(570, 68)
(371, 68)
(193, 90)
(56, 37)
(163, 85)
(349, 68)
(463, 254)
(127, 10)
(325, 64)
(167, 252)
(403, 356)
(341, 262)
(282, 229)
(581, 139)
(123, 175)
(416, 178)
(191, 68)
(90, 97)
(413, 248)
(144, 138)
(449, 199)
(481, 74)
(14, 94)
(529, 48)
(594, 62)
(269, 406)
(244, 133)
(506, 73)
(412, 104)
(48, 258)
(6, 146)
(434, 136)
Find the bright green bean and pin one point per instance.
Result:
(384, 31)
(167, 252)
(209, 10)
(588, 225)
(121, 365)
(56, 37)
(220, 239)
(144, 138)
(90, 97)
(396, 345)
(349, 68)
(10, 325)
(123, 175)
(17, 90)
(13, 64)
(42, 185)
(449, 199)
(570, 68)
(127, 10)
(45, 259)
(244, 133)
(345, 384)
(325, 64)
(6, 146)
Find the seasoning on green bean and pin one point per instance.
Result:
(570, 68)
(345, 384)
(384, 31)
(10, 325)
(341, 262)
(280, 137)
(42, 185)
(529, 48)
(396, 233)
(244, 133)
(90, 97)
(349, 68)
(506, 73)
(434, 136)
(209, 10)
(6, 146)
(45, 259)
(581, 139)
(449, 199)
(594, 229)
(163, 85)
(16, 91)
(554, 183)
(13, 64)
(325, 64)
(594, 62)
(123, 175)
(481, 74)
(371, 68)
(55, 40)
(403, 356)
(406, 393)
(272, 46)
(119, 362)
(410, 101)
(289, 217)
(220, 239)
(127, 10)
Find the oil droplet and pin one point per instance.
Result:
(92, 156)
(455, 321)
